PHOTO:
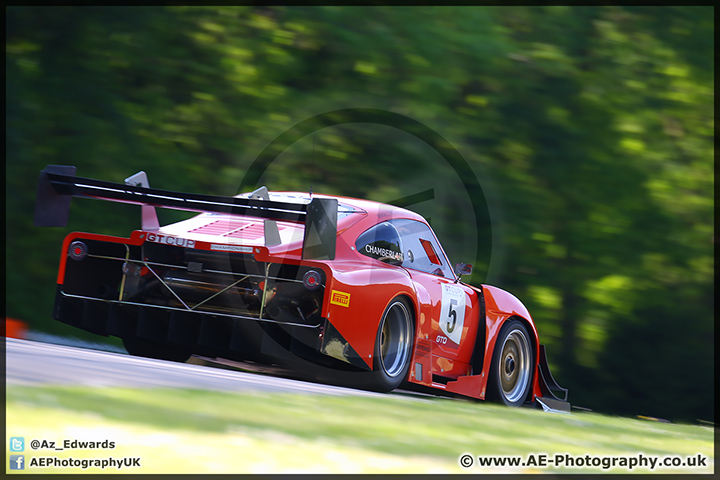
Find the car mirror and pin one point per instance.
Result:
(463, 269)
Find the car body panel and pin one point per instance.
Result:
(216, 284)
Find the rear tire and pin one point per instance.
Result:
(511, 370)
(393, 346)
(141, 347)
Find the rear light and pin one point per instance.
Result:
(312, 280)
(78, 250)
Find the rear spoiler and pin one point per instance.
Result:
(58, 184)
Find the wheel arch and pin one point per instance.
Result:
(501, 306)
(369, 290)
(531, 328)
(411, 302)
(535, 343)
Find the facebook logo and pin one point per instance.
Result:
(17, 444)
(17, 462)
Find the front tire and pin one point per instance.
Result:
(141, 347)
(393, 346)
(511, 369)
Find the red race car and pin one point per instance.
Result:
(349, 285)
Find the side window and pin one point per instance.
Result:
(430, 252)
(420, 249)
(381, 242)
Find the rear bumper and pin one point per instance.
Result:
(211, 335)
(219, 304)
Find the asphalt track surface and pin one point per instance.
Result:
(36, 363)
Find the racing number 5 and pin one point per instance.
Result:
(452, 307)
(452, 314)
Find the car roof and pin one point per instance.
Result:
(378, 210)
(218, 227)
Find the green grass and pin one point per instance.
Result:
(188, 431)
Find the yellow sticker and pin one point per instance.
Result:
(340, 298)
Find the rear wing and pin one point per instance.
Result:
(58, 184)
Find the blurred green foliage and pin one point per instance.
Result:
(590, 128)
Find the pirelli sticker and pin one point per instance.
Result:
(340, 298)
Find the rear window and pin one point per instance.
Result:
(381, 242)
(409, 243)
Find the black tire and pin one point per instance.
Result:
(511, 370)
(141, 347)
(393, 346)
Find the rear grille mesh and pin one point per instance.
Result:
(194, 281)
